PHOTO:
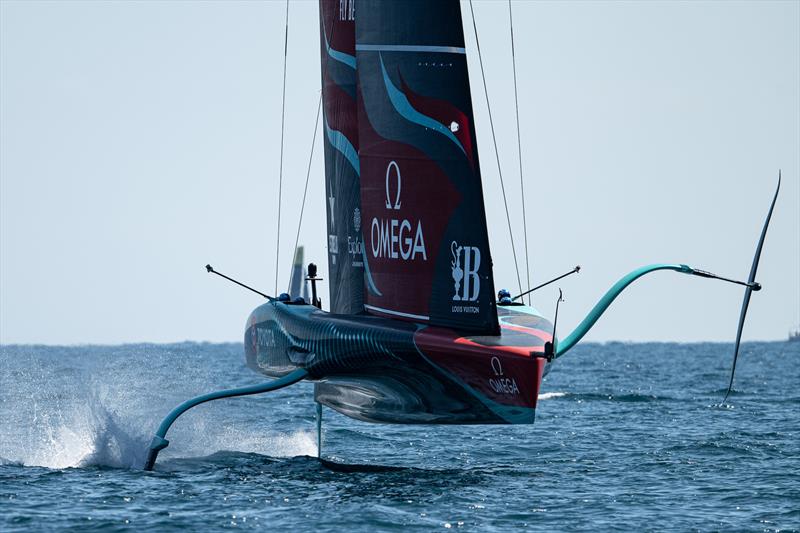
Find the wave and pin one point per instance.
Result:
(613, 397)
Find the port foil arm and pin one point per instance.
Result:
(601, 306)
(160, 442)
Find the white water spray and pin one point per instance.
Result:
(80, 407)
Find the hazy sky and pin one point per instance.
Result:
(139, 141)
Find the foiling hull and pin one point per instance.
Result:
(381, 370)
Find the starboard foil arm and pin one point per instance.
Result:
(751, 285)
(607, 299)
(159, 441)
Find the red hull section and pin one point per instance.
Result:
(507, 375)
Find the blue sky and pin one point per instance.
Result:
(140, 141)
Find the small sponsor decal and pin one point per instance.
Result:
(465, 264)
(331, 202)
(500, 383)
(265, 338)
(347, 10)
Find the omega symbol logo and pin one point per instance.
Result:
(465, 264)
(500, 383)
(395, 237)
(396, 205)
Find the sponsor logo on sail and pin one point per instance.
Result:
(393, 237)
(355, 246)
(347, 10)
(398, 181)
(333, 241)
(466, 260)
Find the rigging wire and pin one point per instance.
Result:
(496, 152)
(311, 155)
(280, 171)
(519, 151)
(305, 190)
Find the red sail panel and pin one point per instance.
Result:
(340, 132)
(426, 246)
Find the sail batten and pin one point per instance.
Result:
(409, 48)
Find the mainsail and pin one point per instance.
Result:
(345, 261)
(426, 248)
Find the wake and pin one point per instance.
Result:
(551, 395)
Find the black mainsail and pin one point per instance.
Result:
(426, 246)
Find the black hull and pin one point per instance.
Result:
(382, 370)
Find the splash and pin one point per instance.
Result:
(93, 407)
(274, 444)
(86, 437)
(94, 435)
(551, 395)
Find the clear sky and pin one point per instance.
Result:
(140, 141)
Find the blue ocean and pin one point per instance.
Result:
(628, 437)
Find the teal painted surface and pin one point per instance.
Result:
(340, 143)
(160, 442)
(601, 306)
(339, 56)
(404, 107)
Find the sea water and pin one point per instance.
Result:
(627, 437)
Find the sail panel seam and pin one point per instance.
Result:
(409, 48)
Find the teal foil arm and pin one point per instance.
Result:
(160, 442)
(601, 306)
